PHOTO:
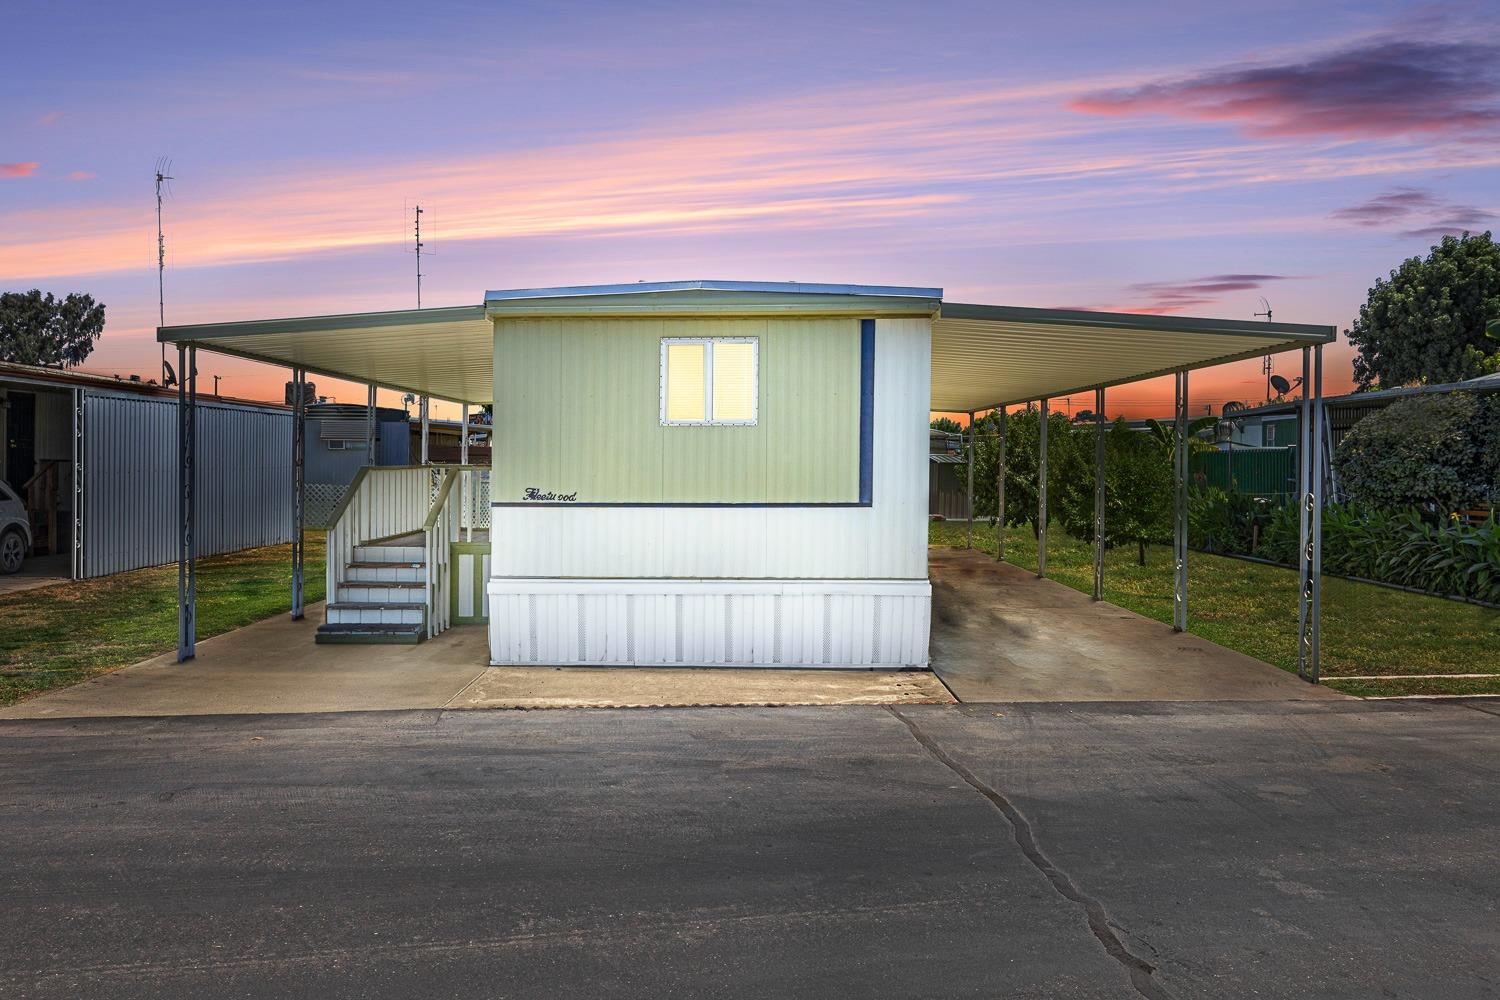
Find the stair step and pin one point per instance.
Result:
(399, 591)
(377, 605)
(370, 573)
(369, 634)
(390, 553)
(377, 613)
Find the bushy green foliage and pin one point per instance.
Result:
(1227, 522)
(1448, 558)
(1427, 323)
(1066, 468)
(37, 329)
(1137, 476)
(1137, 490)
(1420, 451)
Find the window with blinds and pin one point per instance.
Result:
(709, 380)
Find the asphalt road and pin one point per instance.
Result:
(1186, 850)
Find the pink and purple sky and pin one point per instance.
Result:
(1178, 157)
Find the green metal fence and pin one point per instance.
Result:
(1254, 471)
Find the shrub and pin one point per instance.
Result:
(1424, 451)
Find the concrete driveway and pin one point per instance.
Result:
(1000, 634)
(1254, 849)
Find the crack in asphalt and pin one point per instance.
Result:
(1139, 970)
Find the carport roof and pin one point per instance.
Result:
(988, 356)
(982, 355)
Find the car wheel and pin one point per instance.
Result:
(12, 551)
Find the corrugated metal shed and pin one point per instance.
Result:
(244, 479)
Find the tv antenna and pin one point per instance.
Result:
(1265, 362)
(163, 166)
(418, 247)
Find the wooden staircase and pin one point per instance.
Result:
(40, 496)
(382, 597)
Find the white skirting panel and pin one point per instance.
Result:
(700, 623)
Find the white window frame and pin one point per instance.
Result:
(708, 381)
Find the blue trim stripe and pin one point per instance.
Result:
(674, 503)
(866, 410)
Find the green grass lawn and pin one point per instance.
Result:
(1367, 630)
(55, 636)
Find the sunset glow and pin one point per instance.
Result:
(1170, 162)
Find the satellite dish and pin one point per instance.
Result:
(1492, 329)
(170, 378)
(1281, 385)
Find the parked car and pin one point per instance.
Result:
(15, 530)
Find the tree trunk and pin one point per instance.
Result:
(1141, 554)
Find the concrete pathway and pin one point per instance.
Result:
(274, 666)
(613, 687)
(1337, 850)
(1000, 634)
(37, 571)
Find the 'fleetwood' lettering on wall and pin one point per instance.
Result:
(532, 493)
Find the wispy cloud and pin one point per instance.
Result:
(50, 118)
(1194, 293)
(1417, 211)
(25, 169)
(955, 157)
(80, 175)
(1376, 89)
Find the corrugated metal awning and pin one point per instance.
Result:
(443, 352)
(982, 355)
(986, 356)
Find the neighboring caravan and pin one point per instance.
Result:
(689, 473)
(94, 460)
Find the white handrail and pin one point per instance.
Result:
(380, 503)
(439, 531)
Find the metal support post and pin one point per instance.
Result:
(1041, 496)
(1000, 492)
(1309, 665)
(1180, 503)
(1304, 528)
(463, 438)
(1098, 494)
(469, 500)
(77, 535)
(370, 457)
(424, 406)
(969, 494)
(187, 419)
(299, 490)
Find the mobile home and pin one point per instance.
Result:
(688, 473)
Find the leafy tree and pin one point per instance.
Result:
(37, 329)
(1427, 451)
(1427, 323)
(1137, 489)
(1022, 432)
(1164, 434)
(947, 425)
